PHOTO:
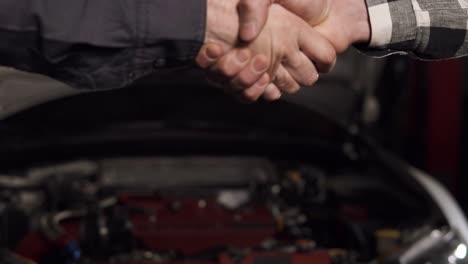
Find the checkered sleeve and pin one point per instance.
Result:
(429, 29)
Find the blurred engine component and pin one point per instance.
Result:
(8, 257)
(439, 246)
(148, 174)
(200, 210)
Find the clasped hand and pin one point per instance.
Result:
(263, 48)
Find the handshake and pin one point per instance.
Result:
(263, 48)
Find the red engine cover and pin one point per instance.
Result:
(186, 224)
(192, 225)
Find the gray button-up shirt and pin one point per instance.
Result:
(100, 44)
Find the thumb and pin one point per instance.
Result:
(253, 15)
(209, 54)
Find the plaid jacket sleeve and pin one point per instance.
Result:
(429, 29)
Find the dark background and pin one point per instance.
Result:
(423, 117)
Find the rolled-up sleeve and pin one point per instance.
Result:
(100, 44)
(427, 29)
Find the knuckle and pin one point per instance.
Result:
(244, 83)
(294, 88)
(282, 83)
(328, 57)
(241, 83)
(310, 79)
(246, 79)
(227, 70)
(286, 84)
(290, 86)
(294, 62)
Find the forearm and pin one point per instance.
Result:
(100, 44)
(428, 29)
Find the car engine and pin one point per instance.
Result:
(203, 210)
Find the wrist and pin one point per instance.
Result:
(362, 27)
(222, 23)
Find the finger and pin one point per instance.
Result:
(301, 68)
(272, 93)
(247, 77)
(209, 54)
(254, 92)
(285, 82)
(317, 49)
(253, 15)
(229, 65)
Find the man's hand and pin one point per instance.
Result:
(253, 14)
(241, 76)
(343, 22)
(287, 44)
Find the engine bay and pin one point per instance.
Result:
(205, 210)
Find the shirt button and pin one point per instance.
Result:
(159, 63)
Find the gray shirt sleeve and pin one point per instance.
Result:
(100, 44)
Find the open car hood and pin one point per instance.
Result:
(35, 108)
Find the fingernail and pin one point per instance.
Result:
(212, 53)
(332, 66)
(276, 94)
(242, 56)
(250, 29)
(259, 65)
